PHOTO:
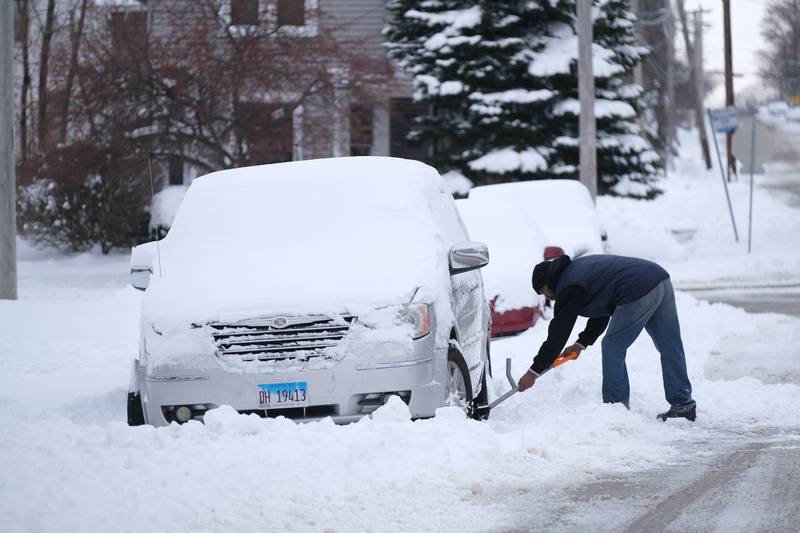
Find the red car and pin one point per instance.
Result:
(515, 246)
(513, 321)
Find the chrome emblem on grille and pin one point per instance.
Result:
(280, 322)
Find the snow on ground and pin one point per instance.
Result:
(70, 463)
(688, 229)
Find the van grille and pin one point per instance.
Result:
(280, 338)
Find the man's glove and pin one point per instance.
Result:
(574, 348)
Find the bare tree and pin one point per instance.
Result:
(215, 94)
(76, 36)
(44, 60)
(208, 92)
(24, 33)
(781, 57)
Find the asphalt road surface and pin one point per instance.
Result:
(784, 299)
(751, 486)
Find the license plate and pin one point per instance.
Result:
(283, 395)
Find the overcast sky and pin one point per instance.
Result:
(746, 18)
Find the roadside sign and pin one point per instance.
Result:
(724, 119)
(754, 152)
(795, 99)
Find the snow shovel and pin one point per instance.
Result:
(484, 409)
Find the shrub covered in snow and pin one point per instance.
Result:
(84, 198)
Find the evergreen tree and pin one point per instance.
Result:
(500, 79)
(470, 61)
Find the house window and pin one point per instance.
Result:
(244, 12)
(361, 129)
(128, 29)
(267, 129)
(402, 112)
(291, 12)
(175, 170)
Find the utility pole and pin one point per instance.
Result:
(8, 211)
(694, 75)
(726, 7)
(587, 125)
(700, 72)
(669, 35)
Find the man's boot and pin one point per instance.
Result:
(687, 411)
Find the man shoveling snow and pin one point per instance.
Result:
(632, 294)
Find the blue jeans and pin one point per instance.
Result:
(656, 313)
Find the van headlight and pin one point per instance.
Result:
(419, 316)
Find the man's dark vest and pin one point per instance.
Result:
(609, 281)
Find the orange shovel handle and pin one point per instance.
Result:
(563, 358)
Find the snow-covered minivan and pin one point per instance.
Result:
(311, 289)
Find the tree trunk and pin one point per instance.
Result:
(47, 36)
(24, 31)
(76, 36)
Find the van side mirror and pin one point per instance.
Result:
(469, 255)
(142, 265)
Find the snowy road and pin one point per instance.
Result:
(783, 299)
(742, 482)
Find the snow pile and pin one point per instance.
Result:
(562, 209)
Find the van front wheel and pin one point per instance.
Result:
(135, 411)
(459, 387)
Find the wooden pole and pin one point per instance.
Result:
(729, 101)
(694, 76)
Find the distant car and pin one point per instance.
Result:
(561, 208)
(516, 245)
(311, 289)
(793, 115)
(777, 108)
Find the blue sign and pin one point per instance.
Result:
(724, 120)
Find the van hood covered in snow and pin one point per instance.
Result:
(310, 237)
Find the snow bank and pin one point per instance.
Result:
(688, 228)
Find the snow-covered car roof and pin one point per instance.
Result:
(515, 244)
(561, 208)
(305, 236)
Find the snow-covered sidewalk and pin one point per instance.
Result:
(70, 463)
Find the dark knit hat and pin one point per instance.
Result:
(539, 277)
(547, 272)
